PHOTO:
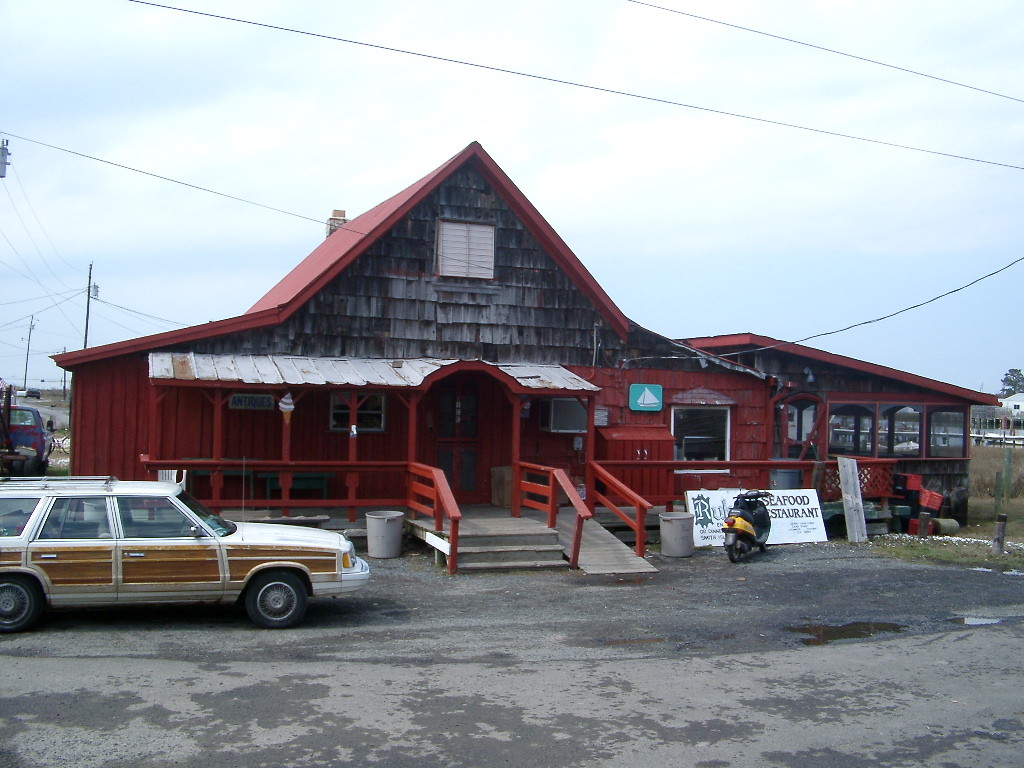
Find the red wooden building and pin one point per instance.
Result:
(828, 405)
(444, 348)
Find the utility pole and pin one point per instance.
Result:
(88, 299)
(4, 161)
(28, 346)
(64, 381)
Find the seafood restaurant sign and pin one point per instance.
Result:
(796, 516)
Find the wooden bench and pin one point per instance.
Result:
(301, 481)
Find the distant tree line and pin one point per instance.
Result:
(1013, 382)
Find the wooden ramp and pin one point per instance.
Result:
(600, 551)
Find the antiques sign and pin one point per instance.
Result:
(245, 401)
(796, 516)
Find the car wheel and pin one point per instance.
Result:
(21, 602)
(276, 600)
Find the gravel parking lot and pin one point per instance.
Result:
(705, 663)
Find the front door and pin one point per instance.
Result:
(458, 439)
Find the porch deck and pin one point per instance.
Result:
(600, 551)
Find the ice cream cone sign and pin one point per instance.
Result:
(287, 406)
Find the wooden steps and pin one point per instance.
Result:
(500, 544)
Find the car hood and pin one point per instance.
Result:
(274, 533)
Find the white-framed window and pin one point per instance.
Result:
(465, 250)
(701, 433)
(369, 417)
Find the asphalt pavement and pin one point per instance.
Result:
(809, 655)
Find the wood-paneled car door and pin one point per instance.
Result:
(160, 556)
(74, 548)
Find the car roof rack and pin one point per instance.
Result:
(63, 483)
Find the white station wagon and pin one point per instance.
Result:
(80, 541)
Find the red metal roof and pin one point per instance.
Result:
(349, 241)
(750, 341)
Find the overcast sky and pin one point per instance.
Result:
(695, 223)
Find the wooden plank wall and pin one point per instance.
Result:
(110, 417)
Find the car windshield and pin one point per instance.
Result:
(219, 525)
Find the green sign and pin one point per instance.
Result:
(645, 397)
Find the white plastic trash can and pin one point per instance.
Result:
(676, 534)
(384, 533)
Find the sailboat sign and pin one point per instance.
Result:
(645, 397)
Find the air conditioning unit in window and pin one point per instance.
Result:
(563, 414)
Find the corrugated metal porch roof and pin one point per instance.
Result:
(339, 371)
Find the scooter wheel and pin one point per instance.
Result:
(733, 553)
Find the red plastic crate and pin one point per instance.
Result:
(929, 499)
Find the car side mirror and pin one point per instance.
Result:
(197, 531)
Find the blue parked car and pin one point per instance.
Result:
(32, 438)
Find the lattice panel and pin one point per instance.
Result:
(875, 482)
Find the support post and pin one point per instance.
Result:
(924, 519)
(999, 537)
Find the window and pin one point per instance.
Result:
(152, 518)
(899, 430)
(946, 434)
(801, 416)
(702, 434)
(14, 513)
(77, 518)
(369, 416)
(850, 428)
(465, 250)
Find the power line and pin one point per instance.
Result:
(158, 176)
(39, 298)
(883, 317)
(827, 50)
(30, 238)
(574, 84)
(141, 314)
(17, 177)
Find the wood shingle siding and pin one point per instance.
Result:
(391, 303)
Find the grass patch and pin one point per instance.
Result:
(981, 519)
(950, 550)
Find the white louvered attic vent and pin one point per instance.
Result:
(466, 250)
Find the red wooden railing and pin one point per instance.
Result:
(669, 480)
(430, 494)
(426, 488)
(536, 486)
(617, 495)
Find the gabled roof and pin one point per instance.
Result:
(349, 241)
(750, 342)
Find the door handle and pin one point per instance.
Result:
(47, 557)
(134, 554)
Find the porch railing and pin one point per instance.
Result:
(617, 495)
(536, 487)
(667, 481)
(430, 494)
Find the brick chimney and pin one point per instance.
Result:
(336, 220)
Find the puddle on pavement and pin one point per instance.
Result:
(973, 621)
(825, 633)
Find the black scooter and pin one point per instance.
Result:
(747, 525)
